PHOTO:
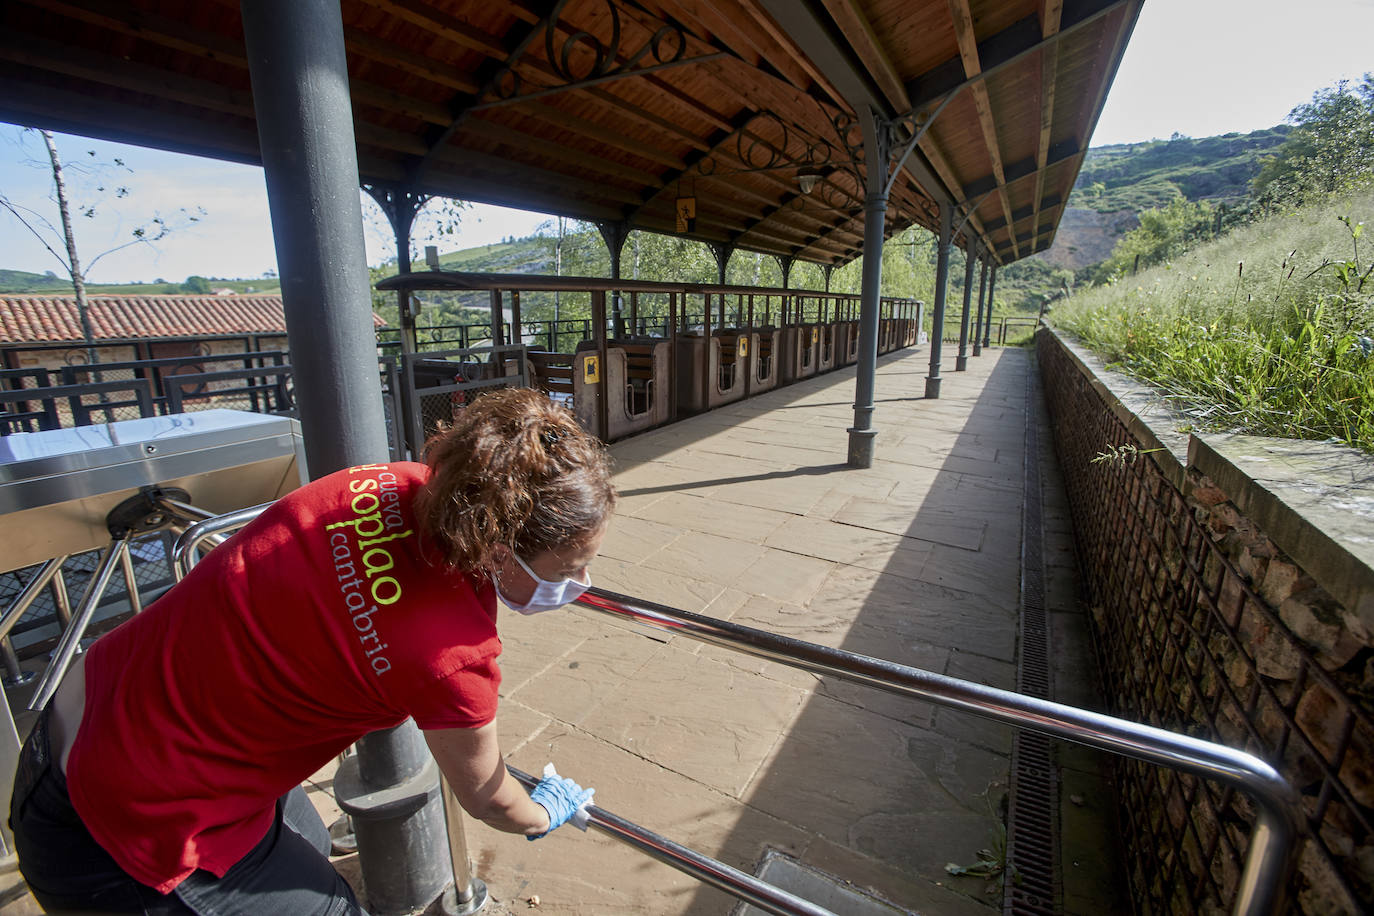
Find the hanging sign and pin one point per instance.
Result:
(686, 214)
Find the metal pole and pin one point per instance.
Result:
(862, 433)
(51, 569)
(70, 642)
(970, 259)
(992, 288)
(126, 564)
(978, 324)
(937, 317)
(60, 599)
(15, 675)
(299, 73)
(469, 893)
(710, 871)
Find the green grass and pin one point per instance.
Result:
(1269, 330)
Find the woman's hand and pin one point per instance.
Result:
(564, 799)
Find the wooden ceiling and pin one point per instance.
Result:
(612, 110)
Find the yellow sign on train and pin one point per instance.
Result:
(744, 346)
(591, 369)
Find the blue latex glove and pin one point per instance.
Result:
(564, 799)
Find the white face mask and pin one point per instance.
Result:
(547, 595)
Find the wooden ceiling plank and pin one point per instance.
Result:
(465, 157)
(83, 113)
(426, 16)
(625, 106)
(170, 33)
(481, 127)
(124, 74)
(551, 114)
(861, 36)
(384, 52)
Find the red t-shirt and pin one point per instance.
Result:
(324, 619)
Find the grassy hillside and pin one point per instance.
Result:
(1118, 182)
(1267, 330)
(1138, 176)
(19, 281)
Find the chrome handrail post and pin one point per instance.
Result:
(21, 604)
(70, 641)
(470, 894)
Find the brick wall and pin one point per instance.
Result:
(1209, 623)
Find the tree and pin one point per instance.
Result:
(1331, 148)
(1163, 233)
(148, 232)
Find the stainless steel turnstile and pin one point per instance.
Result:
(69, 491)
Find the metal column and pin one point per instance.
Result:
(401, 207)
(862, 433)
(970, 259)
(304, 116)
(992, 287)
(614, 235)
(722, 252)
(978, 324)
(937, 318)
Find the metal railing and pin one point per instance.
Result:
(1269, 859)
(1004, 330)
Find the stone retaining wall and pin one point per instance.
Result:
(1231, 584)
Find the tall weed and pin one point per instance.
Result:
(1269, 330)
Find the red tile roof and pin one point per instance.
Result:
(30, 319)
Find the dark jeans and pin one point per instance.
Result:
(67, 870)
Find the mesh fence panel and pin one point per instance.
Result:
(151, 556)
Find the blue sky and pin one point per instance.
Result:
(1198, 67)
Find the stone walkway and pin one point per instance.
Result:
(749, 513)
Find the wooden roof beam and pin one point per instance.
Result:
(853, 82)
(1001, 50)
(859, 32)
(490, 72)
(431, 19)
(968, 51)
(1016, 171)
(170, 33)
(717, 142)
(1023, 213)
(1103, 75)
(1051, 11)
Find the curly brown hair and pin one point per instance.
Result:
(516, 469)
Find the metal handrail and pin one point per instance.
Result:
(1268, 861)
(189, 541)
(1270, 857)
(704, 868)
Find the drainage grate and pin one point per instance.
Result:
(1031, 885)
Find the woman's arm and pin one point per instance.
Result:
(470, 760)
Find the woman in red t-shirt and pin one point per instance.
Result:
(165, 775)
